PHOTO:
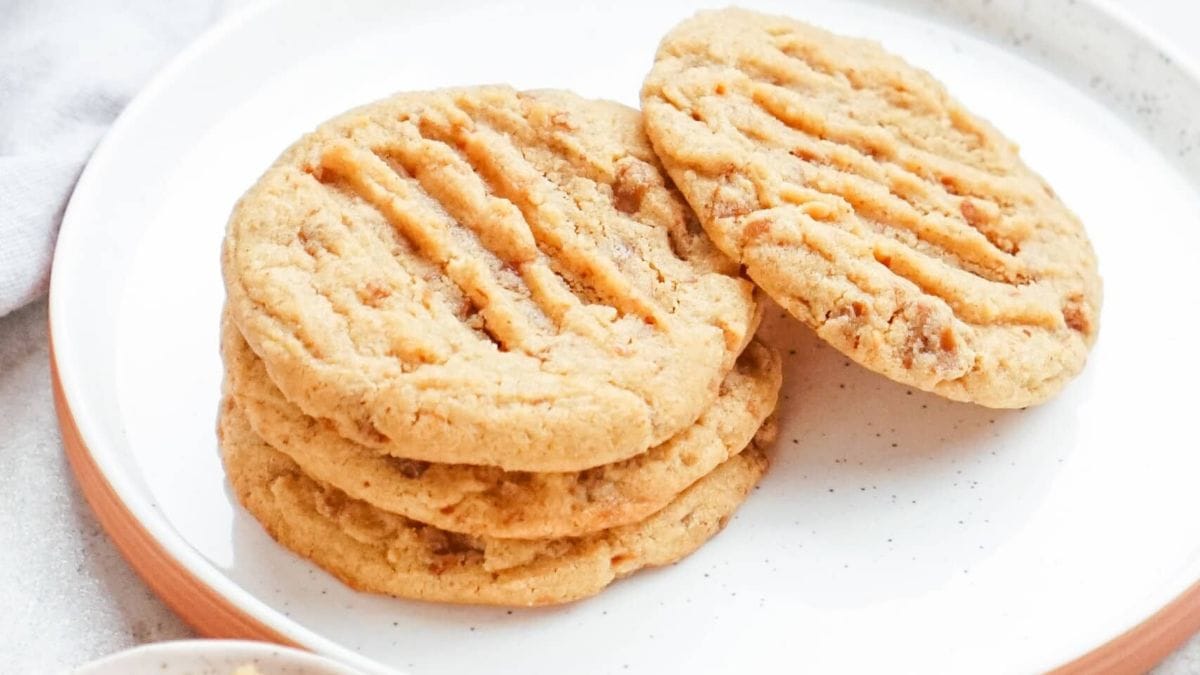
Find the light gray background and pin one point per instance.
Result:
(66, 596)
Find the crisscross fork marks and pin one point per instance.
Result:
(512, 123)
(981, 300)
(854, 148)
(318, 254)
(552, 215)
(499, 225)
(910, 92)
(875, 193)
(975, 298)
(798, 56)
(578, 160)
(989, 218)
(776, 74)
(959, 179)
(430, 232)
(972, 299)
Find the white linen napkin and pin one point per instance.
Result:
(67, 68)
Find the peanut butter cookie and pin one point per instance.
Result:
(875, 208)
(485, 276)
(374, 550)
(510, 504)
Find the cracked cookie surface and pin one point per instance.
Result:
(377, 551)
(875, 208)
(489, 501)
(485, 276)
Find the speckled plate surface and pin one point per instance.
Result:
(897, 532)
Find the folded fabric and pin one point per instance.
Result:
(67, 69)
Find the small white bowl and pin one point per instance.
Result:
(212, 657)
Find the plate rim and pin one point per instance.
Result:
(203, 598)
(216, 607)
(218, 648)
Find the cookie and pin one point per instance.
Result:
(874, 207)
(377, 551)
(485, 276)
(486, 500)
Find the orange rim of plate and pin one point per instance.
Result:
(212, 615)
(206, 611)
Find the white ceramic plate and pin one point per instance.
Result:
(897, 532)
(211, 657)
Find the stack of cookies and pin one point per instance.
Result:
(479, 349)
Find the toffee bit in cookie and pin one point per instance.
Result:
(634, 178)
(409, 468)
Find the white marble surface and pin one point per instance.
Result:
(68, 597)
